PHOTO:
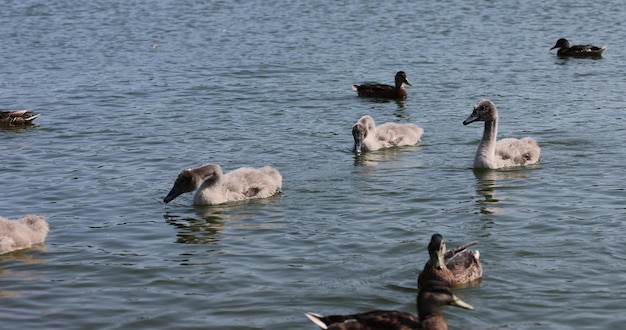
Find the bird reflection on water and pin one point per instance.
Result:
(205, 229)
(487, 182)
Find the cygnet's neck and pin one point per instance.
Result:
(486, 153)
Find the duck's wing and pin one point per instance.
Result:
(368, 320)
(380, 90)
(464, 263)
(15, 113)
(584, 51)
(587, 48)
(596, 49)
(450, 253)
(465, 266)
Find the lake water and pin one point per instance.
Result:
(132, 92)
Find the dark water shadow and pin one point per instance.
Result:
(487, 182)
(563, 59)
(18, 128)
(370, 158)
(210, 222)
(203, 229)
(32, 255)
(400, 103)
(26, 255)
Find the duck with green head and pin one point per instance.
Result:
(458, 267)
(430, 298)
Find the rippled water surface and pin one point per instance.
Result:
(132, 92)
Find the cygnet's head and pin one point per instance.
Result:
(361, 130)
(359, 133)
(190, 179)
(484, 110)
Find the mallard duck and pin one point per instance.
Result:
(430, 298)
(214, 187)
(506, 152)
(385, 91)
(577, 50)
(22, 233)
(370, 137)
(457, 267)
(17, 117)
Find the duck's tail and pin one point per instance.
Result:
(458, 249)
(33, 117)
(317, 319)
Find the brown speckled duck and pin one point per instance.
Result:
(577, 50)
(17, 117)
(385, 91)
(458, 267)
(430, 298)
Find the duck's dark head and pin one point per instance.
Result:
(435, 294)
(402, 79)
(561, 43)
(436, 251)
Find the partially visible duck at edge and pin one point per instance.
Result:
(17, 117)
(430, 298)
(385, 91)
(495, 154)
(458, 267)
(214, 187)
(577, 50)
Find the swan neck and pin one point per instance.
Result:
(490, 133)
(486, 153)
